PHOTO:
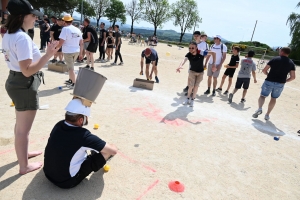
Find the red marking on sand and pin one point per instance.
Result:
(7, 151)
(134, 161)
(148, 189)
(151, 112)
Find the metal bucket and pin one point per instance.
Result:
(88, 84)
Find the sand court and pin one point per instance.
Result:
(217, 150)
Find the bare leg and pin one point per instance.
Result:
(261, 101)
(190, 91)
(215, 83)
(229, 83)
(222, 81)
(24, 120)
(244, 93)
(147, 71)
(195, 90)
(72, 75)
(92, 59)
(152, 70)
(209, 81)
(60, 56)
(271, 105)
(234, 91)
(88, 57)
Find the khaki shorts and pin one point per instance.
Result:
(195, 78)
(213, 74)
(70, 59)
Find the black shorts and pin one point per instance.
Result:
(110, 46)
(92, 163)
(245, 82)
(92, 47)
(148, 61)
(229, 72)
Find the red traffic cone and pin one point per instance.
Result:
(176, 186)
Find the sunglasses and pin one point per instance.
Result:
(216, 38)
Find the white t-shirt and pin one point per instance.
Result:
(217, 49)
(17, 47)
(72, 36)
(202, 46)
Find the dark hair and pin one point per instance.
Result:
(14, 23)
(48, 21)
(53, 17)
(117, 26)
(286, 50)
(87, 20)
(193, 43)
(204, 35)
(236, 48)
(73, 118)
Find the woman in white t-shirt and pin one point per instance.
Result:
(24, 61)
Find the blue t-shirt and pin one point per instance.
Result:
(153, 56)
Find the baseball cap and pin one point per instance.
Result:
(197, 33)
(251, 53)
(22, 7)
(218, 36)
(76, 107)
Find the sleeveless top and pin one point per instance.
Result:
(109, 41)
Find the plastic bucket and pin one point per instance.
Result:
(88, 84)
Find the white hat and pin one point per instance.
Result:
(218, 36)
(76, 107)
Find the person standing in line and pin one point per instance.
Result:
(196, 58)
(213, 72)
(54, 33)
(72, 46)
(110, 45)
(102, 39)
(247, 67)
(231, 67)
(118, 43)
(3, 22)
(24, 60)
(276, 70)
(45, 33)
(41, 23)
(90, 40)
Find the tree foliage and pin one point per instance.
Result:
(59, 6)
(294, 22)
(88, 10)
(185, 15)
(157, 12)
(116, 12)
(135, 10)
(100, 6)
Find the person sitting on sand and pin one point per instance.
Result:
(66, 161)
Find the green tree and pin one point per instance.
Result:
(59, 6)
(88, 10)
(116, 11)
(157, 12)
(100, 6)
(135, 10)
(294, 23)
(185, 14)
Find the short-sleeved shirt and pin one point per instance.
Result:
(247, 66)
(66, 150)
(202, 46)
(56, 31)
(117, 36)
(196, 62)
(92, 31)
(101, 34)
(280, 66)
(153, 56)
(217, 49)
(72, 36)
(234, 60)
(17, 47)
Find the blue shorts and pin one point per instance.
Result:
(271, 87)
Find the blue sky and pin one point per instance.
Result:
(235, 19)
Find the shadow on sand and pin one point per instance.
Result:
(50, 92)
(7, 182)
(267, 128)
(240, 106)
(179, 116)
(41, 188)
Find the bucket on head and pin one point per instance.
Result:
(88, 84)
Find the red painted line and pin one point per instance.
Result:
(134, 161)
(7, 151)
(148, 189)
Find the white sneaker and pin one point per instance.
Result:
(187, 101)
(267, 117)
(113, 63)
(192, 103)
(103, 61)
(258, 112)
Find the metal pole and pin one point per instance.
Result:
(81, 11)
(253, 30)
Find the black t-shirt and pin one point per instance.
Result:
(153, 56)
(57, 30)
(280, 66)
(43, 29)
(66, 151)
(92, 31)
(196, 62)
(101, 35)
(117, 36)
(234, 59)
(41, 22)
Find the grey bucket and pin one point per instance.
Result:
(88, 84)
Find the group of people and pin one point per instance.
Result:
(276, 70)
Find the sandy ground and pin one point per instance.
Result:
(217, 150)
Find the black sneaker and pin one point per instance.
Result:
(230, 98)
(156, 79)
(68, 81)
(53, 61)
(219, 90)
(243, 100)
(186, 89)
(226, 92)
(85, 58)
(185, 94)
(214, 93)
(207, 92)
(87, 67)
(92, 68)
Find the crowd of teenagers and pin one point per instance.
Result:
(66, 161)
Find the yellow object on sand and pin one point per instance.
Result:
(106, 168)
(168, 54)
(12, 104)
(96, 126)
